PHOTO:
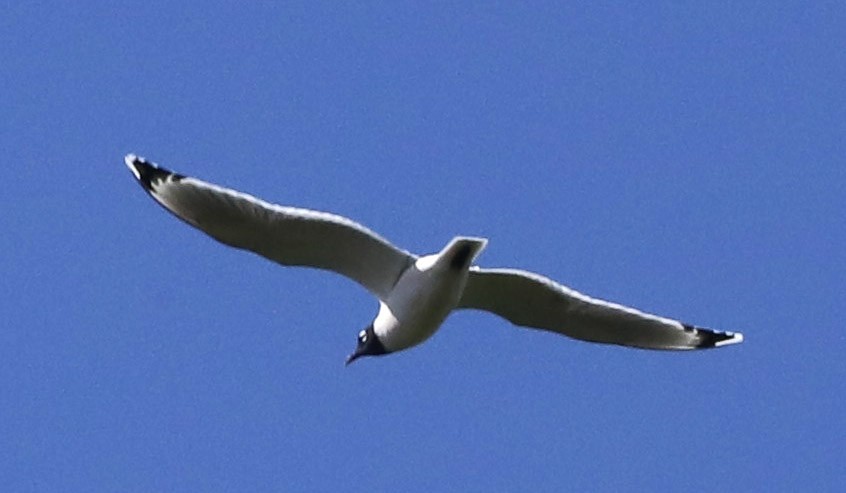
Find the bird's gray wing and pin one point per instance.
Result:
(531, 300)
(287, 235)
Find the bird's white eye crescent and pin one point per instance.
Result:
(362, 336)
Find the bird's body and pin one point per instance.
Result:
(425, 295)
(416, 294)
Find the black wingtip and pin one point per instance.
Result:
(149, 173)
(711, 338)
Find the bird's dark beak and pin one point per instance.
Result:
(351, 358)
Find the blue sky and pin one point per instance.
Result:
(683, 159)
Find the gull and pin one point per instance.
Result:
(415, 293)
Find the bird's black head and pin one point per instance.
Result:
(368, 345)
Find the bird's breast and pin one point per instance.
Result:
(418, 305)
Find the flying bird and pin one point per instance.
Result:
(415, 293)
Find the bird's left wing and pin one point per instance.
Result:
(287, 235)
(531, 300)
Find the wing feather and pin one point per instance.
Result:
(531, 300)
(287, 235)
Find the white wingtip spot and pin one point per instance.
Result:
(736, 338)
(130, 163)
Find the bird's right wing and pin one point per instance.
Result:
(531, 300)
(287, 235)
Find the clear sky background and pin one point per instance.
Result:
(684, 159)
